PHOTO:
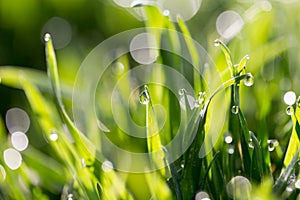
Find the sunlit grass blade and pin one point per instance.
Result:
(9, 76)
(198, 84)
(257, 172)
(227, 54)
(282, 181)
(158, 187)
(86, 149)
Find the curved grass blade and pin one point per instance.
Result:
(283, 179)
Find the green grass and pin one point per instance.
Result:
(80, 168)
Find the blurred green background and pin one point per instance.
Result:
(268, 31)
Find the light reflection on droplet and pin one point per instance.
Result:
(2, 173)
(290, 110)
(17, 120)
(202, 196)
(289, 98)
(107, 166)
(235, 110)
(144, 96)
(143, 48)
(229, 24)
(61, 32)
(12, 158)
(166, 12)
(272, 144)
(19, 140)
(53, 136)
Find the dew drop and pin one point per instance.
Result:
(202, 196)
(182, 163)
(230, 149)
(200, 99)
(272, 144)
(47, 37)
(290, 110)
(107, 166)
(228, 137)
(235, 110)
(249, 80)
(181, 92)
(144, 96)
(250, 144)
(217, 43)
(53, 136)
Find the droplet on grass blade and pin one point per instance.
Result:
(47, 37)
(217, 43)
(107, 166)
(249, 80)
(250, 144)
(181, 92)
(200, 99)
(235, 110)
(144, 96)
(53, 136)
(272, 144)
(290, 110)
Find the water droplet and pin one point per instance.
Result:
(250, 144)
(202, 196)
(239, 187)
(107, 166)
(182, 163)
(144, 96)
(12, 158)
(19, 141)
(47, 37)
(235, 110)
(217, 43)
(228, 137)
(247, 57)
(248, 80)
(290, 110)
(230, 149)
(181, 92)
(53, 136)
(289, 98)
(272, 144)
(200, 99)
